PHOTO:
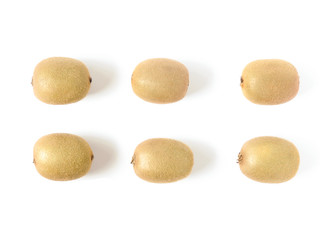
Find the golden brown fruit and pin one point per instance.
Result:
(269, 81)
(269, 159)
(62, 156)
(160, 80)
(60, 80)
(162, 160)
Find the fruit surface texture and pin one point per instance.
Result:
(60, 80)
(269, 159)
(269, 81)
(160, 80)
(162, 160)
(62, 156)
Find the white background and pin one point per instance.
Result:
(215, 40)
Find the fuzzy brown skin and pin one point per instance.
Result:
(60, 80)
(269, 81)
(160, 80)
(62, 156)
(269, 159)
(162, 160)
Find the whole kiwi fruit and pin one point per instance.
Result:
(60, 80)
(269, 81)
(162, 160)
(269, 159)
(62, 156)
(160, 80)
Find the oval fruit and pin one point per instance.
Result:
(162, 160)
(269, 159)
(269, 81)
(160, 80)
(62, 156)
(60, 80)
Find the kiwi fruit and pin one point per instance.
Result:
(160, 80)
(60, 80)
(269, 159)
(162, 160)
(62, 156)
(269, 81)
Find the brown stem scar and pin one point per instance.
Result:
(133, 159)
(34, 161)
(240, 157)
(32, 81)
(90, 80)
(92, 157)
(241, 81)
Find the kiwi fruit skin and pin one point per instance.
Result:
(162, 160)
(60, 80)
(269, 159)
(160, 80)
(269, 81)
(62, 156)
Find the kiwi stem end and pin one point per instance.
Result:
(240, 157)
(133, 159)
